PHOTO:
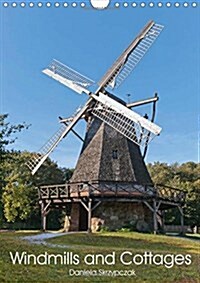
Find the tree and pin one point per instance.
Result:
(67, 173)
(189, 175)
(18, 188)
(184, 177)
(16, 198)
(7, 131)
(161, 173)
(20, 195)
(7, 137)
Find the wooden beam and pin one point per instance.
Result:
(154, 210)
(44, 223)
(43, 217)
(155, 99)
(142, 102)
(44, 213)
(45, 207)
(155, 224)
(84, 205)
(182, 220)
(170, 203)
(89, 215)
(157, 207)
(149, 206)
(74, 132)
(163, 220)
(96, 205)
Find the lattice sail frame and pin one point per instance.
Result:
(125, 121)
(137, 54)
(68, 77)
(42, 154)
(129, 59)
(69, 73)
(122, 124)
(38, 158)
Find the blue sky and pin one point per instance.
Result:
(89, 41)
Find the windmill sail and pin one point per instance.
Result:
(68, 77)
(39, 158)
(127, 122)
(129, 59)
(120, 117)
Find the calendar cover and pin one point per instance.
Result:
(99, 141)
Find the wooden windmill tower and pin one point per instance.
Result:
(110, 181)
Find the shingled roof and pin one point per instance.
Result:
(108, 156)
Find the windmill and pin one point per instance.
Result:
(102, 104)
(111, 163)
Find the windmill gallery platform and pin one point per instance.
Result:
(93, 205)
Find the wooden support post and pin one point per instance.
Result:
(154, 211)
(43, 217)
(89, 215)
(44, 213)
(44, 222)
(182, 220)
(163, 221)
(155, 224)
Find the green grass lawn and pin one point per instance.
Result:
(104, 244)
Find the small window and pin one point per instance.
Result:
(115, 154)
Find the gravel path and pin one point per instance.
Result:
(40, 239)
